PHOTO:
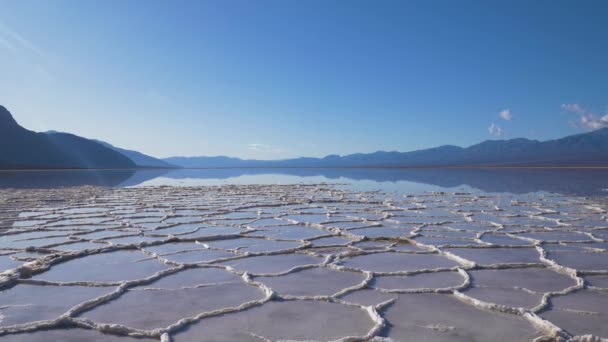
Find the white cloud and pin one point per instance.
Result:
(505, 114)
(264, 148)
(257, 147)
(495, 130)
(573, 108)
(586, 120)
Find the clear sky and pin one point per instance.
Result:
(277, 79)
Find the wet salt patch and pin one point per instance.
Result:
(445, 241)
(534, 279)
(28, 223)
(396, 262)
(373, 245)
(511, 297)
(149, 221)
(420, 214)
(435, 280)
(595, 245)
(28, 214)
(267, 222)
(292, 232)
(591, 223)
(84, 210)
(193, 277)
(173, 247)
(581, 261)
(29, 303)
(470, 226)
(601, 234)
(186, 219)
(348, 225)
(437, 232)
(421, 220)
(489, 256)
(41, 216)
(135, 239)
(233, 222)
(79, 246)
(253, 245)
(103, 234)
(32, 243)
(169, 306)
(70, 335)
(581, 312)
(28, 235)
(82, 221)
(312, 282)
(379, 232)
(330, 241)
(103, 267)
(597, 280)
(290, 320)
(556, 247)
(179, 229)
(501, 239)
(365, 216)
(329, 250)
(408, 248)
(191, 257)
(272, 263)
(192, 212)
(307, 218)
(416, 317)
(241, 215)
(367, 297)
(556, 236)
(7, 263)
(150, 225)
(211, 231)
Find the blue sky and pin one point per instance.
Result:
(277, 79)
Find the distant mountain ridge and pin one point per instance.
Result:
(584, 150)
(140, 159)
(24, 149)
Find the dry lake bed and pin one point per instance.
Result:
(305, 262)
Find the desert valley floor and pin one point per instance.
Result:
(312, 262)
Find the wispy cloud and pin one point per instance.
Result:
(6, 45)
(264, 148)
(573, 108)
(13, 41)
(586, 120)
(495, 130)
(505, 114)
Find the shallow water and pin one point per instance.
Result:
(305, 262)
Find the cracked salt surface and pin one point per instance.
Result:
(300, 263)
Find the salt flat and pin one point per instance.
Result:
(300, 262)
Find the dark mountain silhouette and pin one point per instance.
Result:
(586, 149)
(24, 149)
(140, 159)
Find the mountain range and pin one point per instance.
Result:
(140, 159)
(586, 149)
(24, 149)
